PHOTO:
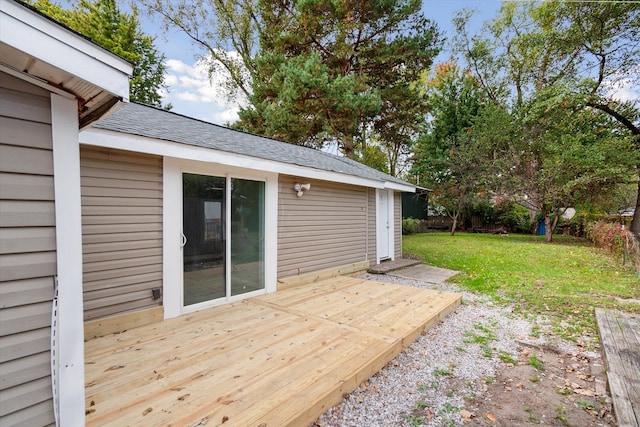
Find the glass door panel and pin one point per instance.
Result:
(203, 225)
(247, 236)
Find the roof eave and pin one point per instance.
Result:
(125, 141)
(44, 50)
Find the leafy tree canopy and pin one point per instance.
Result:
(326, 69)
(105, 24)
(573, 53)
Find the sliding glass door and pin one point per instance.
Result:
(247, 236)
(203, 219)
(216, 266)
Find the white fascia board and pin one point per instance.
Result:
(399, 187)
(123, 141)
(49, 42)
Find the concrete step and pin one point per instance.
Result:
(388, 266)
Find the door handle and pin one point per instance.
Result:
(183, 240)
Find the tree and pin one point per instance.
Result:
(579, 48)
(327, 69)
(227, 31)
(455, 156)
(562, 157)
(104, 23)
(314, 72)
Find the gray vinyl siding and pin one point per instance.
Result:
(324, 228)
(397, 224)
(121, 230)
(371, 225)
(27, 253)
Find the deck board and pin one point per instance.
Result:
(275, 360)
(620, 337)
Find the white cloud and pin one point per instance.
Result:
(187, 96)
(193, 93)
(624, 87)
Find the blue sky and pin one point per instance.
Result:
(192, 93)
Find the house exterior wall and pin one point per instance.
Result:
(326, 227)
(121, 230)
(371, 226)
(27, 253)
(397, 224)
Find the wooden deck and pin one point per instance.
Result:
(276, 360)
(620, 336)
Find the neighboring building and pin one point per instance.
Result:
(146, 214)
(416, 205)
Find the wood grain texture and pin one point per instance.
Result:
(620, 338)
(280, 359)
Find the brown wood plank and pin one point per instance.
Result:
(621, 352)
(263, 360)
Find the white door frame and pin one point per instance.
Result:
(172, 230)
(381, 236)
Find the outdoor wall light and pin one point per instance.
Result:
(299, 188)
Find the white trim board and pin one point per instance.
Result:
(49, 42)
(70, 349)
(123, 141)
(173, 169)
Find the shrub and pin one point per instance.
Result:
(514, 217)
(617, 239)
(410, 225)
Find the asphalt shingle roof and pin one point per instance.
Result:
(142, 120)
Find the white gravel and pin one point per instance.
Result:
(445, 356)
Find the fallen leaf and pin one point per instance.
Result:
(430, 414)
(520, 385)
(585, 392)
(491, 417)
(466, 415)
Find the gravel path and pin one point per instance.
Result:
(444, 358)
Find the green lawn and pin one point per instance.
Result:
(565, 280)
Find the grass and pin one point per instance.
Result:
(535, 362)
(507, 358)
(564, 280)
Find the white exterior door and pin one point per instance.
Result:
(383, 225)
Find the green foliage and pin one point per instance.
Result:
(119, 32)
(326, 71)
(535, 362)
(514, 217)
(374, 156)
(457, 155)
(563, 281)
(410, 225)
(507, 358)
(554, 64)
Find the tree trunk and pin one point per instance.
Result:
(548, 232)
(635, 222)
(455, 223)
(348, 146)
